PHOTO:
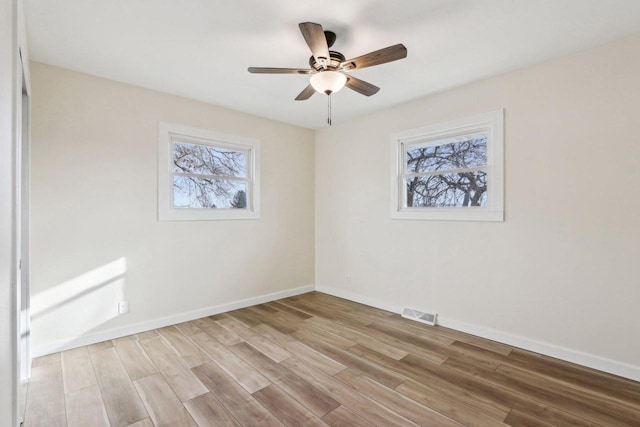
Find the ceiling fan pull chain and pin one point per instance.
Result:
(329, 109)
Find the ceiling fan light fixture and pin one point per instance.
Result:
(328, 81)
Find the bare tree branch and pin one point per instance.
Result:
(448, 189)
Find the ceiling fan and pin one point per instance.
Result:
(329, 69)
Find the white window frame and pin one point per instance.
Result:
(491, 123)
(166, 212)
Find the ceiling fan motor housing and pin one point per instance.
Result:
(336, 58)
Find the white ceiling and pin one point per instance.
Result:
(201, 49)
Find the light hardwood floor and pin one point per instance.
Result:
(317, 360)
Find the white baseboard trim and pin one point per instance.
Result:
(362, 299)
(66, 344)
(574, 356)
(621, 369)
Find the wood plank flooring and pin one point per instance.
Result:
(317, 360)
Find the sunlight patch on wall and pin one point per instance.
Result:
(80, 304)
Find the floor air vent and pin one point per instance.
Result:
(420, 316)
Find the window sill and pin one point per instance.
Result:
(446, 214)
(207, 215)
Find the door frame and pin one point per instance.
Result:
(21, 238)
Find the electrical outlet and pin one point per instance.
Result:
(123, 307)
(348, 279)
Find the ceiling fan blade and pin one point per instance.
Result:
(382, 56)
(316, 40)
(361, 86)
(268, 70)
(306, 93)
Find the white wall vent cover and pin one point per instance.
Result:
(420, 316)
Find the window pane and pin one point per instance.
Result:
(448, 190)
(466, 152)
(195, 192)
(208, 160)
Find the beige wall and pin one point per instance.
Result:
(96, 239)
(560, 275)
(562, 270)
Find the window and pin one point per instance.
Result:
(204, 175)
(449, 171)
